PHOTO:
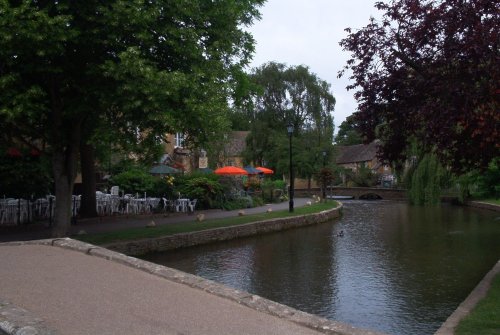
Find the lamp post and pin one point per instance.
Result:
(324, 182)
(289, 129)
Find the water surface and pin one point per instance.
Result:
(396, 269)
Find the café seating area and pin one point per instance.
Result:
(19, 211)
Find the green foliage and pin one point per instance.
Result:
(484, 318)
(427, 181)
(481, 184)
(325, 177)
(134, 181)
(120, 72)
(24, 176)
(363, 177)
(253, 185)
(273, 190)
(347, 134)
(286, 95)
(205, 188)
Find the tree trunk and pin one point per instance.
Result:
(64, 167)
(88, 204)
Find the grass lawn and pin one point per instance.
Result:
(186, 227)
(485, 317)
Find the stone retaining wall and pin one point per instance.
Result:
(144, 246)
(483, 205)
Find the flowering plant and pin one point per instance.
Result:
(169, 180)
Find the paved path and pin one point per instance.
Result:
(75, 293)
(107, 224)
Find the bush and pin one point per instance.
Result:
(363, 177)
(482, 184)
(135, 180)
(206, 188)
(272, 190)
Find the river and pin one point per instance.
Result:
(384, 265)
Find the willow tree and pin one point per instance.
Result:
(78, 72)
(287, 95)
(426, 182)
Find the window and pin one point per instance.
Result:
(179, 140)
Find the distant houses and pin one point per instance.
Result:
(353, 157)
(230, 149)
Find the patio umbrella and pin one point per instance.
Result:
(252, 170)
(230, 170)
(163, 169)
(265, 170)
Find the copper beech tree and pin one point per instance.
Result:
(430, 71)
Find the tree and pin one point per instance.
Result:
(73, 73)
(286, 95)
(429, 70)
(348, 134)
(426, 180)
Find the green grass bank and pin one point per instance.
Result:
(194, 226)
(485, 317)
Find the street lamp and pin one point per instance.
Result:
(324, 182)
(289, 129)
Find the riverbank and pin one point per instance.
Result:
(478, 313)
(215, 230)
(187, 218)
(63, 286)
(490, 205)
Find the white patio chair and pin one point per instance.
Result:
(192, 205)
(115, 190)
(181, 205)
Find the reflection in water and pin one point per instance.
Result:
(396, 269)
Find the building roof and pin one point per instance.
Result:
(357, 153)
(236, 143)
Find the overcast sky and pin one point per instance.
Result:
(308, 32)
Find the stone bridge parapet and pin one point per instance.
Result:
(359, 192)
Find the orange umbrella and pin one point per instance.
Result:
(265, 170)
(231, 170)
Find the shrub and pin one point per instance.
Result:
(363, 177)
(205, 188)
(272, 190)
(135, 180)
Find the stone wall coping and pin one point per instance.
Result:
(18, 321)
(483, 205)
